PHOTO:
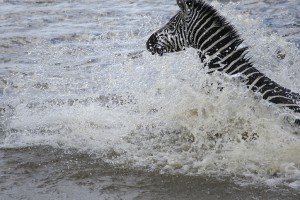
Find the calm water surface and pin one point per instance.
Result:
(87, 113)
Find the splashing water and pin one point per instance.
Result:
(86, 85)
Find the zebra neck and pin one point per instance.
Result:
(217, 40)
(220, 49)
(210, 33)
(231, 62)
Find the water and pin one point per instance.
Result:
(87, 113)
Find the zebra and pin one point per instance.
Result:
(200, 26)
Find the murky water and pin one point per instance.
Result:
(87, 113)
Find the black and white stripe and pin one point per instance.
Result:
(199, 25)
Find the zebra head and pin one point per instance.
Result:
(171, 37)
(196, 25)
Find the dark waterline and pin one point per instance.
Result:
(47, 173)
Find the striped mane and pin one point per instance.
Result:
(202, 6)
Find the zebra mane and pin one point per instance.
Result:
(203, 6)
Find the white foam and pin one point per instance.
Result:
(178, 120)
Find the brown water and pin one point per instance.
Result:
(47, 173)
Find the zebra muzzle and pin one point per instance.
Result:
(154, 47)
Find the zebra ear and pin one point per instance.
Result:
(182, 5)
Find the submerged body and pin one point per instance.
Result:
(198, 25)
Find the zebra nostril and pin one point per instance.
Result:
(152, 41)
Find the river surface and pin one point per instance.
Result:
(87, 113)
